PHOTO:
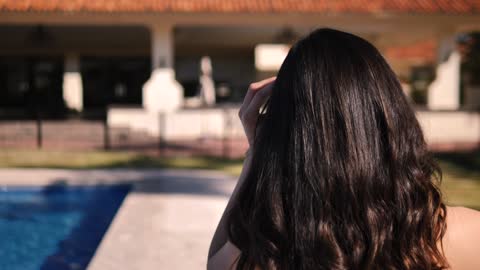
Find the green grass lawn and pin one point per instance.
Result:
(111, 159)
(461, 171)
(461, 178)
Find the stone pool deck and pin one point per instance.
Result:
(165, 222)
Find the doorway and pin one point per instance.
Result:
(30, 86)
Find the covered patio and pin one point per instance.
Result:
(139, 64)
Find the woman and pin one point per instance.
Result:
(338, 175)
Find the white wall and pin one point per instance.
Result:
(440, 127)
(183, 124)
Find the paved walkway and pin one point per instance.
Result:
(166, 221)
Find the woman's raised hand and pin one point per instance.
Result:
(223, 254)
(256, 96)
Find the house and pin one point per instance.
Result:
(137, 61)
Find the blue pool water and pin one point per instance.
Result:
(55, 227)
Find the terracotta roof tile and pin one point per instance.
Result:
(424, 50)
(249, 6)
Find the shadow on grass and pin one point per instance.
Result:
(229, 166)
(199, 162)
(114, 159)
(461, 164)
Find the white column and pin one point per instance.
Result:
(162, 93)
(72, 83)
(444, 91)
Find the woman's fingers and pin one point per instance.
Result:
(246, 100)
(260, 84)
(261, 96)
(257, 95)
(252, 91)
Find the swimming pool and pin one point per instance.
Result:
(55, 227)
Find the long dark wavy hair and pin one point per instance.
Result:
(341, 177)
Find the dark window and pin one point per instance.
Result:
(31, 85)
(113, 80)
(421, 77)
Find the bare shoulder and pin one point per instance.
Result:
(461, 220)
(462, 238)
